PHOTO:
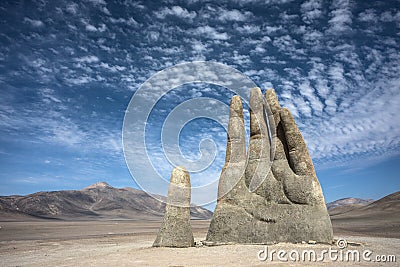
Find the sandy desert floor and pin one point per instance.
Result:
(128, 243)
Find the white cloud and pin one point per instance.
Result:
(309, 93)
(248, 29)
(72, 8)
(153, 35)
(67, 133)
(271, 29)
(288, 18)
(106, 11)
(359, 129)
(317, 76)
(288, 45)
(198, 46)
(114, 68)
(92, 28)
(88, 59)
(98, 2)
(233, 15)
(313, 38)
(176, 11)
(48, 96)
(336, 72)
(131, 21)
(341, 17)
(390, 16)
(272, 60)
(311, 10)
(52, 123)
(211, 33)
(321, 78)
(368, 15)
(79, 80)
(288, 103)
(258, 2)
(34, 22)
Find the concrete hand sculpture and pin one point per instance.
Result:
(176, 230)
(263, 196)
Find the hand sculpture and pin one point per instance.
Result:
(268, 197)
(175, 230)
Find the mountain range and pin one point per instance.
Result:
(101, 201)
(346, 204)
(367, 217)
(97, 201)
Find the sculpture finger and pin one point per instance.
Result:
(236, 145)
(259, 146)
(277, 135)
(175, 230)
(259, 138)
(270, 107)
(235, 159)
(273, 103)
(299, 158)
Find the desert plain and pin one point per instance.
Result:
(129, 243)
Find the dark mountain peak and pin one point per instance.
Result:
(98, 185)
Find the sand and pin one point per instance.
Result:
(128, 243)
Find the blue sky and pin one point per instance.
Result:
(68, 70)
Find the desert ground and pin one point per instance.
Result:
(129, 243)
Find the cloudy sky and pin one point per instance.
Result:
(68, 70)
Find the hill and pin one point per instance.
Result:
(379, 218)
(97, 201)
(346, 204)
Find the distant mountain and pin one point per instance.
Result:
(390, 204)
(97, 201)
(379, 218)
(346, 204)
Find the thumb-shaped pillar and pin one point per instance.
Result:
(176, 230)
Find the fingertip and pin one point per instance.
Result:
(285, 112)
(272, 100)
(236, 106)
(236, 145)
(180, 175)
(256, 99)
(255, 90)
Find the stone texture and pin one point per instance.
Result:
(268, 197)
(176, 230)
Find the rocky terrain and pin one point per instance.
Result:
(97, 201)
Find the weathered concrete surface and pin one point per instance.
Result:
(268, 198)
(176, 230)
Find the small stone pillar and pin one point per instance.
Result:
(176, 230)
